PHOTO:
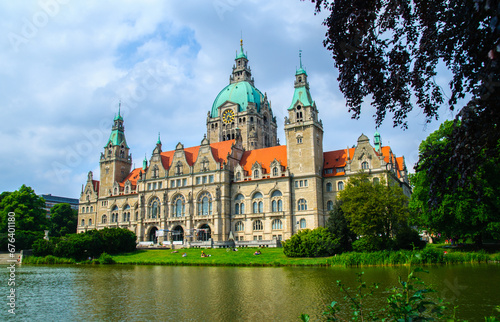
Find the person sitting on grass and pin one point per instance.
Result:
(257, 252)
(184, 255)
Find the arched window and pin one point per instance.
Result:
(376, 180)
(114, 214)
(275, 171)
(257, 195)
(302, 223)
(277, 224)
(91, 209)
(239, 226)
(258, 205)
(178, 206)
(239, 206)
(205, 204)
(83, 222)
(90, 222)
(126, 213)
(329, 186)
(302, 204)
(364, 165)
(340, 186)
(329, 205)
(104, 219)
(276, 202)
(257, 225)
(154, 209)
(276, 193)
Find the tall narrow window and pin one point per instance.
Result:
(239, 226)
(329, 205)
(302, 204)
(277, 224)
(257, 225)
(341, 186)
(178, 206)
(205, 204)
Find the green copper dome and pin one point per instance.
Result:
(240, 93)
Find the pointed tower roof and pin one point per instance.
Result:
(117, 136)
(159, 141)
(301, 70)
(241, 54)
(301, 93)
(119, 117)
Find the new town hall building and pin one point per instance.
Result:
(239, 183)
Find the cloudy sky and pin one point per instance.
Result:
(65, 65)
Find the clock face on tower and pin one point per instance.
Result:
(228, 116)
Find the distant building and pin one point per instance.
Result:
(51, 201)
(239, 184)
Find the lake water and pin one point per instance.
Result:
(175, 293)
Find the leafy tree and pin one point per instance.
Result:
(338, 225)
(311, 243)
(30, 217)
(373, 209)
(92, 243)
(463, 211)
(390, 51)
(63, 220)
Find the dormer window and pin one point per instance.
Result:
(256, 174)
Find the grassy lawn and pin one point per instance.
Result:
(275, 257)
(220, 256)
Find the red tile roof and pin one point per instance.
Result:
(219, 151)
(133, 177)
(264, 157)
(336, 159)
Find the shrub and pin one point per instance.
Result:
(311, 243)
(369, 244)
(106, 259)
(408, 238)
(42, 247)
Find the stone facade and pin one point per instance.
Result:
(239, 183)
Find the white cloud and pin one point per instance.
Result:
(62, 80)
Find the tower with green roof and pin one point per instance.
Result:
(115, 162)
(240, 105)
(304, 146)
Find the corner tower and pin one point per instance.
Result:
(304, 141)
(115, 163)
(303, 129)
(241, 106)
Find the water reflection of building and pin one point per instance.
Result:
(239, 183)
